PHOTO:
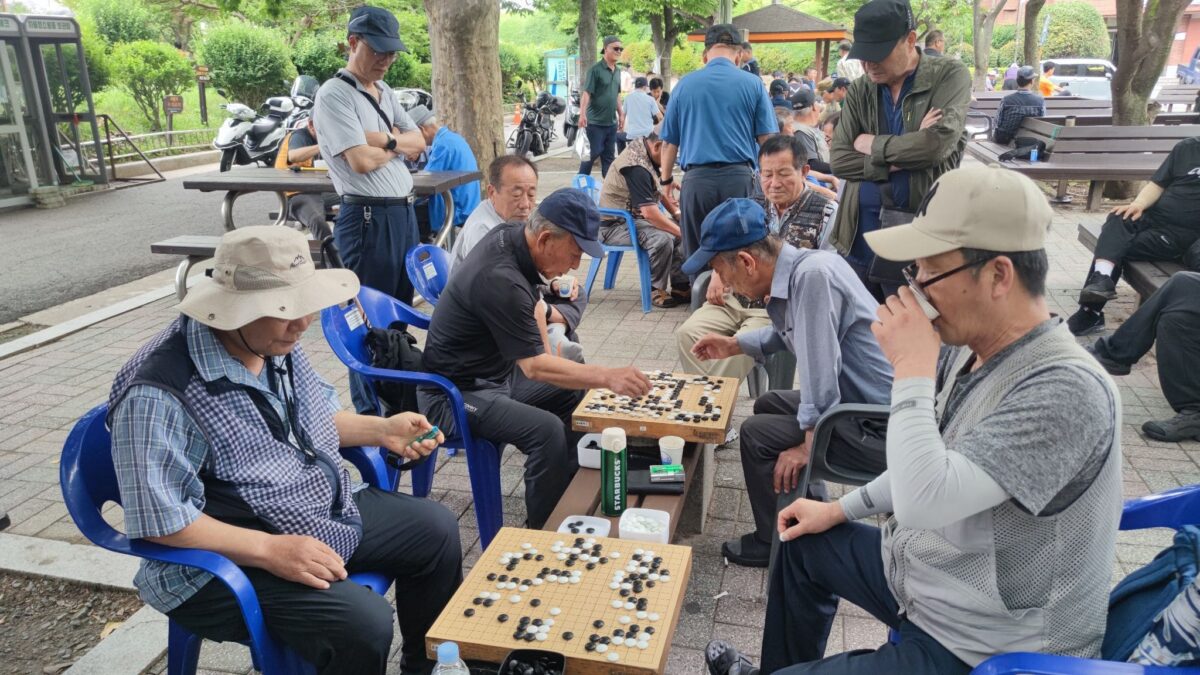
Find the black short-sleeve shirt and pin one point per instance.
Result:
(1179, 177)
(484, 321)
(643, 187)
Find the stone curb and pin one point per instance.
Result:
(133, 648)
(72, 562)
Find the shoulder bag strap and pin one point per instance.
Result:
(374, 104)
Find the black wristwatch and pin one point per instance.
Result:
(391, 144)
(668, 181)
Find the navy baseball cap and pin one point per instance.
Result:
(878, 26)
(733, 225)
(378, 27)
(574, 211)
(722, 34)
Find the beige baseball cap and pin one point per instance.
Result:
(264, 271)
(983, 207)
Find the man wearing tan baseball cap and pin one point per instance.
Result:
(224, 438)
(1003, 462)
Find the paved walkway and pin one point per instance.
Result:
(42, 393)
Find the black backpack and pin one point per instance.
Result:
(394, 348)
(1023, 149)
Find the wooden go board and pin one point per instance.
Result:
(672, 408)
(532, 591)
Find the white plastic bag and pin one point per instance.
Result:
(583, 149)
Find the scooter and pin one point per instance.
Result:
(248, 138)
(571, 120)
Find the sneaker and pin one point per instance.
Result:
(723, 658)
(746, 551)
(1086, 322)
(1099, 288)
(1113, 367)
(1183, 427)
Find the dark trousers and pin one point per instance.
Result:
(1172, 317)
(310, 209)
(373, 241)
(603, 141)
(704, 188)
(1122, 240)
(347, 628)
(812, 572)
(533, 416)
(772, 429)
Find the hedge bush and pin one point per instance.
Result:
(148, 71)
(249, 63)
(1076, 30)
(118, 21)
(316, 54)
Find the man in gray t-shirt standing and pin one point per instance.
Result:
(364, 137)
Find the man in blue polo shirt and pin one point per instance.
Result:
(719, 116)
(448, 151)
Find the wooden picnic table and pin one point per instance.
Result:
(238, 182)
(197, 247)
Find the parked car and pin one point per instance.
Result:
(1089, 78)
(1189, 73)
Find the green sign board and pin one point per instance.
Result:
(50, 27)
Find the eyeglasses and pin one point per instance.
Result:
(617, 49)
(910, 274)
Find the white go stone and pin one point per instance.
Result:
(589, 541)
(617, 604)
(654, 616)
(501, 585)
(601, 647)
(574, 580)
(576, 551)
(559, 544)
(654, 576)
(544, 628)
(638, 551)
(532, 630)
(522, 588)
(514, 599)
(527, 546)
(627, 586)
(593, 559)
(614, 585)
(629, 642)
(613, 656)
(642, 614)
(561, 556)
(615, 554)
(548, 622)
(629, 605)
(536, 582)
(552, 578)
(554, 611)
(485, 595)
(642, 644)
(665, 578)
(555, 548)
(649, 554)
(565, 579)
(541, 637)
(495, 596)
(643, 570)
(512, 586)
(624, 619)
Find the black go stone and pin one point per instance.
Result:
(477, 601)
(502, 618)
(503, 577)
(534, 603)
(537, 622)
(604, 561)
(491, 577)
(527, 556)
(469, 612)
(529, 637)
(650, 630)
(591, 530)
(489, 602)
(624, 592)
(598, 623)
(618, 633)
(591, 566)
(634, 628)
(604, 639)
(650, 584)
(539, 557)
(591, 646)
(568, 635)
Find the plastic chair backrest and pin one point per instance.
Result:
(429, 270)
(89, 481)
(588, 185)
(1173, 508)
(382, 310)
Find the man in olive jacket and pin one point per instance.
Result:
(902, 126)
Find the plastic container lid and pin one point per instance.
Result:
(447, 652)
(613, 439)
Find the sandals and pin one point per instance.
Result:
(723, 658)
(665, 300)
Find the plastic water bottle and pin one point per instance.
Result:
(448, 662)
(1033, 154)
(613, 471)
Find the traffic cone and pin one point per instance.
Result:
(516, 114)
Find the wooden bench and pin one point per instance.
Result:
(1094, 153)
(984, 105)
(1144, 277)
(1173, 95)
(202, 247)
(582, 497)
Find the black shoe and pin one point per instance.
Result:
(723, 658)
(1099, 288)
(747, 551)
(1086, 322)
(1183, 427)
(1113, 367)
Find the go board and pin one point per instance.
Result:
(697, 408)
(608, 605)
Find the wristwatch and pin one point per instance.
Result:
(391, 144)
(668, 181)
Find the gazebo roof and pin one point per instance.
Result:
(778, 23)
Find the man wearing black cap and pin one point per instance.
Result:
(749, 61)
(600, 114)
(901, 127)
(1017, 106)
(365, 136)
(719, 117)
(488, 338)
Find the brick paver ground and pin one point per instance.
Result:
(44, 391)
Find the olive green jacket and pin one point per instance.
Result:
(939, 83)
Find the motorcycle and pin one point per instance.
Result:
(535, 133)
(571, 121)
(410, 98)
(247, 137)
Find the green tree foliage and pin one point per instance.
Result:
(118, 21)
(95, 54)
(249, 62)
(316, 54)
(789, 58)
(522, 70)
(686, 58)
(1076, 30)
(148, 71)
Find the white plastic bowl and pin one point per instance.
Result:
(589, 458)
(631, 532)
(602, 526)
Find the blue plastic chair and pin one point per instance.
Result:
(428, 270)
(615, 253)
(89, 482)
(1173, 509)
(346, 334)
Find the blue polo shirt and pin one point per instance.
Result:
(450, 152)
(717, 114)
(870, 199)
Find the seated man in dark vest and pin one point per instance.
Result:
(224, 438)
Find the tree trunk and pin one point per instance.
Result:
(663, 31)
(1144, 40)
(1032, 50)
(983, 21)
(477, 116)
(587, 35)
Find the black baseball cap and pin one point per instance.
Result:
(839, 83)
(722, 34)
(609, 40)
(803, 99)
(639, 82)
(574, 211)
(878, 26)
(378, 27)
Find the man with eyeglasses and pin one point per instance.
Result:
(600, 113)
(365, 136)
(1003, 463)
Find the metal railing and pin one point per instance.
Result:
(119, 147)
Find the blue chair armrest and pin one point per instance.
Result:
(412, 317)
(1173, 508)
(369, 462)
(1046, 664)
(628, 218)
(457, 406)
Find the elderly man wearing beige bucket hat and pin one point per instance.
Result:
(1003, 463)
(226, 439)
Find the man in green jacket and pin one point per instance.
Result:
(902, 126)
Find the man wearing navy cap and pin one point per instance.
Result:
(365, 136)
(488, 337)
(718, 118)
(820, 312)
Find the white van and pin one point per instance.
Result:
(1089, 78)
